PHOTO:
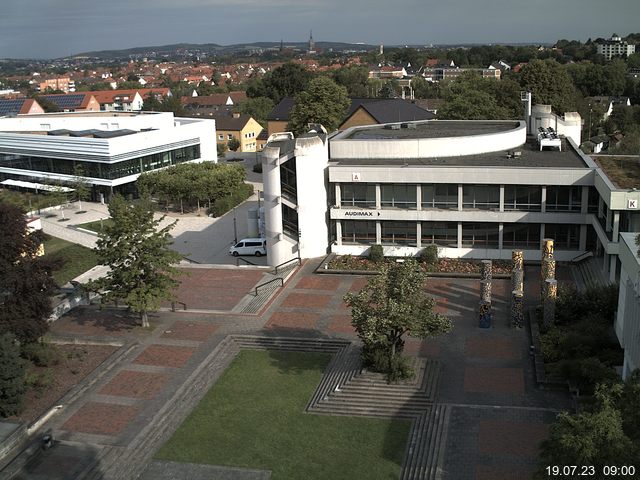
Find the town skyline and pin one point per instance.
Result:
(33, 29)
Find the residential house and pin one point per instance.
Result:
(64, 84)
(614, 47)
(19, 106)
(74, 102)
(241, 127)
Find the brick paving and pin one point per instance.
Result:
(128, 383)
(101, 418)
(165, 356)
(498, 415)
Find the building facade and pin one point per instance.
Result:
(615, 47)
(112, 149)
(627, 323)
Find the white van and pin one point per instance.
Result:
(249, 246)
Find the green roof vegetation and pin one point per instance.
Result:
(623, 171)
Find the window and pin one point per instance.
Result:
(522, 198)
(220, 137)
(229, 136)
(354, 231)
(444, 234)
(566, 237)
(521, 235)
(564, 199)
(480, 235)
(481, 197)
(358, 195)
(398, 196)
(399, 233)
(442, 196)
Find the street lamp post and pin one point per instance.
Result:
(235, 227)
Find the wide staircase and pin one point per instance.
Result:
(589, 274)
(255, 300)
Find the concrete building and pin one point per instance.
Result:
(112, 148)
(614, 47)
(627, 323)
(241, 127)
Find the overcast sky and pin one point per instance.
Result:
(56, 28)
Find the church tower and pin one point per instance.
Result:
(312, 44)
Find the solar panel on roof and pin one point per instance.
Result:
(71, 100)
(11, 107)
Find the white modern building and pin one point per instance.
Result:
(113, 148)
(615, 47)
(476, 189)
(627, 324)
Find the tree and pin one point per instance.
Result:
(285, 81)
(391, 305)
(322, 102)
(354, 79)
(550, 84)
(80, 185)
(259, 109)
(233, 144)
(12, 371)
(25, 278)
(141, 265)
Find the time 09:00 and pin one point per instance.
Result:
(607, 470)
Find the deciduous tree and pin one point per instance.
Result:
(12, 371)
(136, 249)
(550, 84)
(322, 102)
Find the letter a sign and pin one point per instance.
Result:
(355, 176)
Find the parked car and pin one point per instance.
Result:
(249, 246)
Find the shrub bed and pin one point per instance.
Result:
(443, 265)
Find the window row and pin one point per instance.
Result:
(108, 171)
(445, 234)
(474, 197)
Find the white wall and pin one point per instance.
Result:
(570, 125)
(627, 325)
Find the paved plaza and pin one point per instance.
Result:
(498, 415)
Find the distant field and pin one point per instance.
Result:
(254, 417)
(76, 258)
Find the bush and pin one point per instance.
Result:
(573, 306)
(12, 371)
(225, 204)
(586, 373)
(378, 359)
(41, 354)
(429, 254)
(39, 382)
(376, 253)
(257, 167)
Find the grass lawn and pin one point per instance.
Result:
(623, 171)
(95, 226)
(77, 259)
(254, 417)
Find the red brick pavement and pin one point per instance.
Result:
(483, 346)
(341, 324)
(319, 282)
(189, 330)
(358, 284)
(90, 320)
(494, 380)
(484, 472)
(165, 356)
(511, 438)
(421, 348)
(101, 418)
(215, 289)
(303, 320)
(133, 384)
(306, 300)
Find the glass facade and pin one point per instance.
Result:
(399, 233)
(444, 234)
(522, 198)
(480, 235)
(288, 180)
(442, 196)
(521, 235)
(566, 237)
(109, 171)
(354, 232)
(563, 199)
(481, 197)
(358, 195)
(290, 221)
(398, 196)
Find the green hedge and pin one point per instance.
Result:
(223, 205)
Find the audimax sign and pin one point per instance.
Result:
(360, 213)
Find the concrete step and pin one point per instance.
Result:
(371, 411)
(349, 391)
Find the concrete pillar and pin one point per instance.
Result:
(584, 205)
(276, 244)
(517, 279)
(500, 237)
(609, 218)
(418, 197)
(616, 225)
(459, 234)
(460, 196)
(487, 270)
(419, 234)
(517, 259)
(338, 192)
(543, 200)
(485, 291)
(541, 234)
(582, 243)
(547, 248)
(502, 199)
(484, 314)
(338, 232)
(613, 268)
(378, 197)
(378, 232)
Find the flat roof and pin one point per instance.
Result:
(530, 157)
(431, 129)
(622, 170)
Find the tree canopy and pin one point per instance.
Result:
(12, 371)
(142, 269)
(323, 102)
(25, 278)
(550, 84)
(285, 81)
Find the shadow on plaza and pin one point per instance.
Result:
(62, 461)
(95, 319)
